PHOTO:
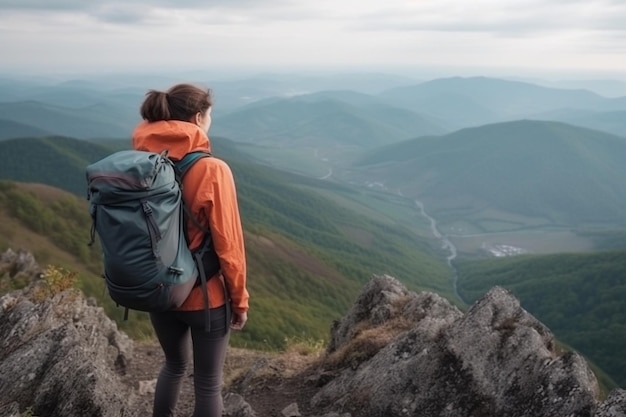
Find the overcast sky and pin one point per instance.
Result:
(512, 36)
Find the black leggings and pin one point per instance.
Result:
(173, 329)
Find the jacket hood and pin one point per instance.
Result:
(177, 137)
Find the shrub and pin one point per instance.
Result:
(54, 280)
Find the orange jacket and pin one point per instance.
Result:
(209, 191)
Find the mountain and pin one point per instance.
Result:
(604, 87)
(307, 252)
(10, 129)
(369, 109)
(230, 92)
(344, 117)
(378, 109)
(67, 94)
(100, 120)
(474, 101)
(75, 108)
(57, 161)
(333, 120)
(554, 173)
(607, 121)
(15, 89)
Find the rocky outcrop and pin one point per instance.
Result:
(496, 360)
(614, 406)
(61, 357)
(19, 265)
(395, 353)
(400, 353)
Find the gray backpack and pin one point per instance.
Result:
(136, 205)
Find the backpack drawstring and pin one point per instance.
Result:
(92, 232)
(153, 228)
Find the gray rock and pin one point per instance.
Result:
(396, 353)
(62, 357)
(614, 405)
(291, 411)
(20, 264)
(11, 409)
(236, 406)
(496, 360)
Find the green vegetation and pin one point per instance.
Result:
(317, 121)
(545, 173)
(56, 161)
(307, 256)
(29, 412)
(606, 239)
(63, 220)
(10, 129)
(277, 201)
(580, 297)
(104, 119)
(61, 224)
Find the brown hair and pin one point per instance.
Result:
(181, 102)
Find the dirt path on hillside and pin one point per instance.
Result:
(277, 384)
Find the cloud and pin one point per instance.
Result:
(505, 18)
(94, 4)
(102, 33)
(125, 12)
(511, 18)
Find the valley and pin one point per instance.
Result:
(483, 232)
(452, 185)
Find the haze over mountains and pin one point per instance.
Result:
(346, 174)
(484, 155)
(438, 106)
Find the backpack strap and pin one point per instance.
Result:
(181, 168)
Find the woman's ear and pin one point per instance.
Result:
(198, 119)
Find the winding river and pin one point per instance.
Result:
(446, 245)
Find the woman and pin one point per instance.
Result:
(178, 121)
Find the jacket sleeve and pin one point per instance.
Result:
(216, 199)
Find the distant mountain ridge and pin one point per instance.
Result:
(475, 101)
(95, 121)
(388, 109)
(334, 119)
(10, 129)
(607, 121)
(549, 170)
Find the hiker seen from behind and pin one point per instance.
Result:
(178, 121)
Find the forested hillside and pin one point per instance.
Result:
(10, 129)
(308, 256)
(551, 173)
(332, 119)
(57, 161)
(106, 120)
(580, 297)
